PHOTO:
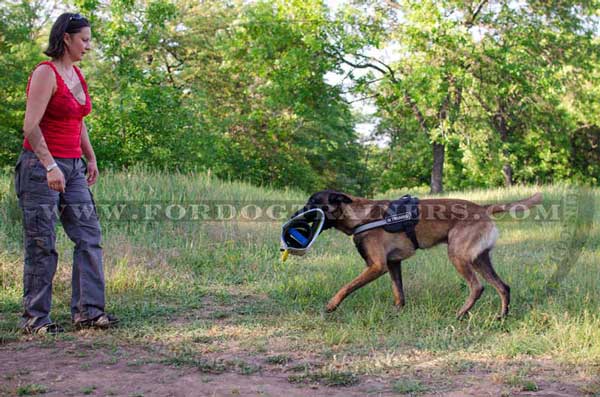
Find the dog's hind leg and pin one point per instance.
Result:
(395, 270)
(373, 271)
(476, 289)
(483, 265)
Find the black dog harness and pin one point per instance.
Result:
(401, 216)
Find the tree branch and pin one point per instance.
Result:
(475, 13)
(363, 98)
(417, 113)
(366, 83)
(482, 103)
(363, 66)
(391, 71)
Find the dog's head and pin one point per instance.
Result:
(331, 203)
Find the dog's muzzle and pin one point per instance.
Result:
(300, 232)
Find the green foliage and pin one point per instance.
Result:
(31, 390)
(408, 386)
(329, 378)
(20, 51)
(488, 81)
(235, 88)
(295, 126)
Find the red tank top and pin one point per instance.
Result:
(61, 123)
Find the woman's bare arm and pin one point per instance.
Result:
(41, 89)
(90, 156)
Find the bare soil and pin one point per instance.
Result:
(86, 365)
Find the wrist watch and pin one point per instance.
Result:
(51, 167)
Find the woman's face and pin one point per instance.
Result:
(77, 44)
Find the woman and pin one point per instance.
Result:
(51, 183)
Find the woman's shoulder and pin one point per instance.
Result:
(42, 75)
(43, 71)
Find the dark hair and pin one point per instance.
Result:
(66, 23)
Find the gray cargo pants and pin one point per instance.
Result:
(76, 209)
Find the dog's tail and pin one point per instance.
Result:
(516, 206)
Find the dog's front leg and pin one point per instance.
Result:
(395, 269)
(372, 272)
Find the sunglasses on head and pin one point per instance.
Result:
(75, 17)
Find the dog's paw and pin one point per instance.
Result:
(330, 308)
(461, 316)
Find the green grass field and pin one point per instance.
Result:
(192, 286)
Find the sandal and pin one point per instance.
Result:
(46, 329)
(103, 321)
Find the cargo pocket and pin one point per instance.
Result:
(30, 221)
(37, 250)
(39, 220)
(38, 173)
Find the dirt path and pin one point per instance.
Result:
(82, 367)
(77, 368)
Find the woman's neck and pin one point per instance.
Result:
(65, 62)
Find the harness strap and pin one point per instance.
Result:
(369, 226)
(397, 221)
(410, 233)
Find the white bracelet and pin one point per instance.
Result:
(51, 167)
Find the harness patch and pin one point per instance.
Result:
(402, 214)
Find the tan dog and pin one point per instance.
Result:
(465, 226)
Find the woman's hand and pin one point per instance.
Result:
(56, 180)
(92, 173)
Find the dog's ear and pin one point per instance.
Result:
(339, 198)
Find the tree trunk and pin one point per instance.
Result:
(499, 122)
(507, 172)
(437, 171)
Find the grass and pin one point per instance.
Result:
(205, 366)
(330, 378)
(244, 368)
(280, 359)
(408, 386)
(591, 389)
(31, 390)
(88, 390)
(194, 287)
(519, 382)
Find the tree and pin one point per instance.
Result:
(427, 81)
(294, 124)
(20, 51)
(518, 66)
(484, 77)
